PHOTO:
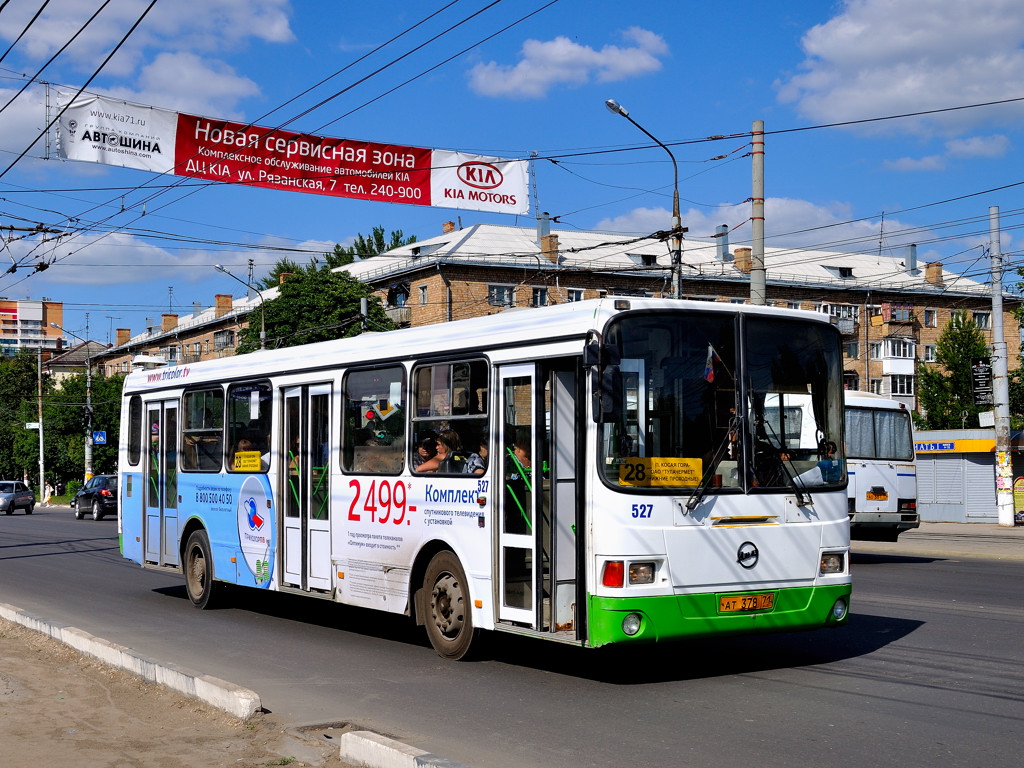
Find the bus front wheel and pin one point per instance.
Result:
(448, 619)
(199, 581)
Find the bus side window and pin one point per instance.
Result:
(249, 410)
(373, 427)
(203, 431)
(451, 410)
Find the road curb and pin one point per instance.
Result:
(371, 749)
(233, 699)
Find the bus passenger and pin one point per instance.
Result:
(425, 451)
(476, 463)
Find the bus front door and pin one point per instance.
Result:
(517, 534)
(538, 561)
(161, 497)
(306, 550)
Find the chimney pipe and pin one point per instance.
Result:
(910, 260)
(933, 273)
(723, 243)
(742, 260)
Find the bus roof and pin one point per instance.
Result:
(871, 400)
(511, 328)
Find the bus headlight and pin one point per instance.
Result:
(641, 573)
(631, 624)
(833, 562)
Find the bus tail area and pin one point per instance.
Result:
(882, 467)
(619, 471)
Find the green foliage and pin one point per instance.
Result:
(284, 266)
(945, 392)
(64, 421)
(365, 247)
(315, 304)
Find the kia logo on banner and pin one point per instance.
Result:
(480, 175)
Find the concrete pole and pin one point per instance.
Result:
(1000, 380)
(758, 280)
(88, 402)
(42, 461)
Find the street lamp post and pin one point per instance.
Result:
(249, 287)
(677, 229)
(88, 394)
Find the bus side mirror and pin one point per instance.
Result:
(606, 390)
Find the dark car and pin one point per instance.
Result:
(98, 496)
(14, 494)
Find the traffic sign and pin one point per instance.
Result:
(99, 438)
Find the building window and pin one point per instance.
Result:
(539, 298)
(574, 294)
(875, 350)
(851, 381)
(843, 311)
(423, 295)
(223, 339)
(792, 305)
(931, 318)
(901, 385)
(875, 386)
(902, 348)
(501, 295)
(852, 349)
(983, 320)
(929, 353)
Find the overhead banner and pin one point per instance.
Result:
(97, 129)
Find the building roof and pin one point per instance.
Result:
(501, 246)
(77, 356)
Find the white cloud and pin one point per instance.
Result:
(211, 25)
(889, 57)
(788, 223)
(979, 146)
(545, 64)
(213, 87)
(929, 163)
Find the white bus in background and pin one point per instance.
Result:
(880, 463)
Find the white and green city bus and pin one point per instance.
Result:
(605, 472)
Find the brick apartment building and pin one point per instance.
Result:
(890, 309)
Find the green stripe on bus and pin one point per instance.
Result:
(671, 617)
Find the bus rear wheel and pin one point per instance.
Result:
(448, 619)
(202, 589)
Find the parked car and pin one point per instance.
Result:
(98, 497)
(14, 494)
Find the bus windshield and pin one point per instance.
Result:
(682, 418)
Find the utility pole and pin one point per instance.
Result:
(1000, 380)
(757, 273)
(39, 401)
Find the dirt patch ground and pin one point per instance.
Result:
(59, 707)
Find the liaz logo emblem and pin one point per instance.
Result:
(747, 554)
(480, 175)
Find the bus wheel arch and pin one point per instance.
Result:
(197, 564)
(444, 607)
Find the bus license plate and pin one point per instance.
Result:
(764, 601)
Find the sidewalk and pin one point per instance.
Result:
(955, 540)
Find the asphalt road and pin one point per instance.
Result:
(929, 671)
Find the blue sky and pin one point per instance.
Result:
(685, 70)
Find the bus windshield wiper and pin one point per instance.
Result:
(731, 433)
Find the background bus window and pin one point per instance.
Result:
(373, 429)
(451, 409)
(249, 410)
(134, 430)
(202, 444)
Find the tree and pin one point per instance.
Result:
(315, 304)
(284, 266)
(365, 247)
(945, 392)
